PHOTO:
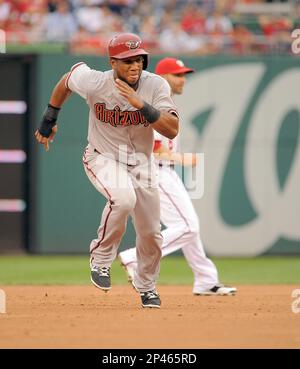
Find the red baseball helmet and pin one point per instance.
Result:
(126, 45)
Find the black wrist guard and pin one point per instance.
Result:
(151, 114)
(49, 120)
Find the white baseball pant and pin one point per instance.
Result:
(182, 230)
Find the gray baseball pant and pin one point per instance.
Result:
(128, 192)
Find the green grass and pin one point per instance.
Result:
(174, 270)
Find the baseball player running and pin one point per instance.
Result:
(126, 105)
(177, 211)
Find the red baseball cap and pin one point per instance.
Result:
(171, 66)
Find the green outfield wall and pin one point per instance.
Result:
(242, 113)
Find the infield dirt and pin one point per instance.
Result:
(85, 317)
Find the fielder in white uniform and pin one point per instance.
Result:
(177, 211)
(126, 105)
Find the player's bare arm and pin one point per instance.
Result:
(48, 128)
(165, 123)
(163, 153)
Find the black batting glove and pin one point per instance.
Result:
(49, 120)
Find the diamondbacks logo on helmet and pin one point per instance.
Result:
(132, 44)
(125, 46)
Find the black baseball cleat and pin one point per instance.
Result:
(100, 278)
(150, 299)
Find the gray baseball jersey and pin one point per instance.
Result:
(115, 126)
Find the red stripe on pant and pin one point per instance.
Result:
(110, 201)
